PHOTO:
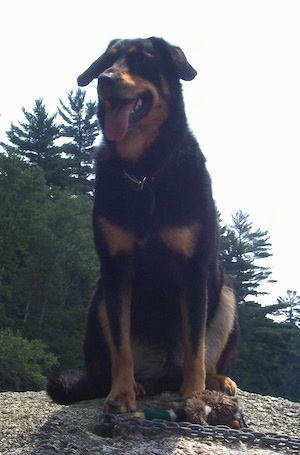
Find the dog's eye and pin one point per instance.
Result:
(140, 58)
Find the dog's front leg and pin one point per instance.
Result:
(193, 310)
(114, 316)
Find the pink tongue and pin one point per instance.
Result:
(116, 121)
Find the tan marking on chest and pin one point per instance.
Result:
(181, 240)
(118, 238)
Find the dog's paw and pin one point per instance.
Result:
(221, 383)
(126, 401)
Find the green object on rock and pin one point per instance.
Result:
(151, 414)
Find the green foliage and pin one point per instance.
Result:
(35, 139)
(24, 363)
(289, 308)
(22, 195)
(241, 248)
(67, 166)
(80, 126)
(268, 360)
(48, 264)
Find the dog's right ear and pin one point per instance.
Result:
(96, 68)
(92, 72)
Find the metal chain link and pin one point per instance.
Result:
(109, 422)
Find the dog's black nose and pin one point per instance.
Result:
(108, 76)
(106, 83)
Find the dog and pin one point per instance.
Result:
(163, 316)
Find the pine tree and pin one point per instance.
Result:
(80, 125)
(241, 248)
(48, 264)
(289, 307)
(35, 139)
(268, 358)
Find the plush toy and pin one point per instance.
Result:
(205, 408)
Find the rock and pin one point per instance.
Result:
(31, 423)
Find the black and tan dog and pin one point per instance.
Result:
(162, 317)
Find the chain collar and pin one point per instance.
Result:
(134, 182)
(140, 184)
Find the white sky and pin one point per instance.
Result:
(244, 105)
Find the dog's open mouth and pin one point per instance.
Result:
(123, 114)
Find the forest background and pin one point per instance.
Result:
(48, 266)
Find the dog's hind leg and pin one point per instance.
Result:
(218, 335)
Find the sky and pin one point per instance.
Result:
(243, 106)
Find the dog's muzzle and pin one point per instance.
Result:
(124, 105)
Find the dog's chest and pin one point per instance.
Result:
(146, 222)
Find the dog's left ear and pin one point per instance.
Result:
(185, 71)
(183, 68)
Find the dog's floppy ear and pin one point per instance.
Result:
(185, 71)
(96, 68)
(92, 72)
(182, 67)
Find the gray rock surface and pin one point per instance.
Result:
(30, 423)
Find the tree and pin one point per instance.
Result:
(22, 193)
(80, 125)
(34, 140)
(268, 359)
(24, 363)
(289, 307)
(48, 266)
(241, 247)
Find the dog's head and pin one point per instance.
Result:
(135, 79)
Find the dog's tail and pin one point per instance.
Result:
(70, 386)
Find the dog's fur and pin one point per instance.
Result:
(163, 317)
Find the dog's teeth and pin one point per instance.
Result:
(137, 105)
